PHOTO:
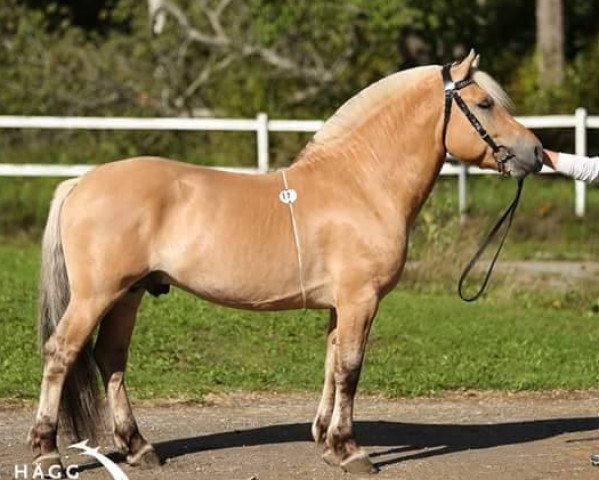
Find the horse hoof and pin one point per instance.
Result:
(358, 463)
(145, 458)
(49, 466)
(330, 458)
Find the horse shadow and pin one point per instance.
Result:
(392, 438)
(435, 439)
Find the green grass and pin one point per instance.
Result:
(422, 341)
(544, 228)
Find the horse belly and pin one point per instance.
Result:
(233, 245)
(245, 277)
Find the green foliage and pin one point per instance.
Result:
(579, 88)
(24, 205)
(544, 227)
(97, 57)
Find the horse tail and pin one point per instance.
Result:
(79, 406)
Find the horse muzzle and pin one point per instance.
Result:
(523, 159)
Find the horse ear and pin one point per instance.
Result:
(462, 70)
(470, 57)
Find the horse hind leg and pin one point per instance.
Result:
(111, 352)
(63, 356)
(325, 407)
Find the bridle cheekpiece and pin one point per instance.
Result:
(500, 152)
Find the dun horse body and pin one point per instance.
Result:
(146, 223)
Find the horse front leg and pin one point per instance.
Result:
(325, 408)
(353, 325)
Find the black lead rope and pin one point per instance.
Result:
(507, 215)
(501, 154)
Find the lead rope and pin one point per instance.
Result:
(289, 196)
(507, 215)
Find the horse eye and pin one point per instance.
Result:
(486, 104)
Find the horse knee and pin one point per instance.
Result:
(347, 375)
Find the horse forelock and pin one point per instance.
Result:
(489, 85)
(366, 103)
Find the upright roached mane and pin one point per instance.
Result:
(365, 105)
(145, 223)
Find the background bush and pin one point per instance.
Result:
(99, 57)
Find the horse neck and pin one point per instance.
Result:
(396, 154)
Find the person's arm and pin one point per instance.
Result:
(578, 167)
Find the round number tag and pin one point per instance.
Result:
(288, 195)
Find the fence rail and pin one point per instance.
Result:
(262, 126)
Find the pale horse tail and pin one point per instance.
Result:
(79, 405)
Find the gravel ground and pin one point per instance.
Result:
(465, 435)
(475, 435)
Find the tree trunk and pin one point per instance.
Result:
(550, 42)
(157, 16)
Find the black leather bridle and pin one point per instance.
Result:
(502, 155)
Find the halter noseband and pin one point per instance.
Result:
(501, 153)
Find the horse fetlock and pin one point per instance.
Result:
(322, 421)
(339, 436)
(146, 457)
(121, 444)
(127, 438)
(42, 437)
(319, 429)
(341, 441)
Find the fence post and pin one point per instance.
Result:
(462, 192)
(580, 149)
(262, 142)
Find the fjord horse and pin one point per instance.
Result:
(144, 224)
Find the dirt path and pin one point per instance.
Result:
(264, 437)
(556, 274)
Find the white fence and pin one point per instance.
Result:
(262, 125)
